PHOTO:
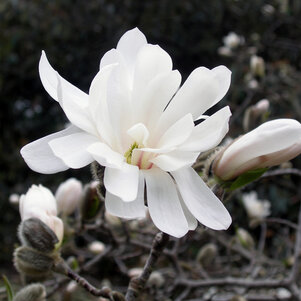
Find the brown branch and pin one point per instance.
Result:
(137, 284)
(282, 172)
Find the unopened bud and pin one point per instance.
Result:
(224, 51)
(14, 199)
(33, 292)
(36, 234)
(232, 40)
(207, 254)
(135, 272)
(68, 196)
(257, 66)
(156, 279)
(32, 263)
(256, 209)
(283, 294)
(71, 287)
(91, 203)
(245, 238)
(96, 247)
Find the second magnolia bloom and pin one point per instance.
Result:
(139, 123)
(272, 143)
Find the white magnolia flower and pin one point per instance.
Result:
(270, 144)
(68, 196)
(139, 124)
(39, 202)
(232, 40)
(256, 208)
(96, 247)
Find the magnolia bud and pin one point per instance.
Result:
(32, 263)
(14, 199)
(270, 144)
(40, 203)
(283, 294)
(224, 51)
(96, 247)
(257, 66)
(245, 238)
(68, 196)
(135, 272)
(232, 40)
(33, 292)
(36, 234)
(207, 254)
(156, 279)
(91, 203)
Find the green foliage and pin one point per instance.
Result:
(8, 287)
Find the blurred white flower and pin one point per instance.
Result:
(14, 199)
(68, 196)
(256, 208)
(257, 65)
(135, 272)
(96, 247)
(261, 107)
(232, 40)
(270, 144)
(39, 202)
(224, 51)
(139, 124)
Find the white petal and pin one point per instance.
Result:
(111, 57)
(130, 44)
(163, 203)
(39, 156)
(208, 133)
(139, 133)
(175, 160)
(156, 96)
(72, 149)
(202, 89)
(134, 209)
(98, 103)
(122, 182)
(151, 61)
(200, 200)
(191, 220)
(177, 133)
(49, 78)
(105, 156)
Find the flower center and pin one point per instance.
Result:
(129, 153)
(140, 158)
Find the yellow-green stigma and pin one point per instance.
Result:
(129, 152)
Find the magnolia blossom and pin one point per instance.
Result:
(139, 123)
(256, 208)
(39, 202)
(232, 40)
(272, 143)
(68, 196)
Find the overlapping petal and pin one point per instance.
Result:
(200, 200)
(163, 203)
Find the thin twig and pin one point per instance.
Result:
(137, 284)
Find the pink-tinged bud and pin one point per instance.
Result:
(68, 196)
(39, 202)
(257, 65)
(261, 107)
(272, 143)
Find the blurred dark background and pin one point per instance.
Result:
(75, 35)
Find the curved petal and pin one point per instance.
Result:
(72, 149)
(139, 133)
(209, 133)
(105, 156)
(177, 133)
(163, 203)
(151, 61)
(134, 209)
(191, 220)
(156, 96)
(123, 182)
(202, 89)
(39, 156)
(200, 200)
(130, 44)
(49, 78)
(174, 160)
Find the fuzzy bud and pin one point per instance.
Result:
(207, 254)
(14, 199)
(33, 292)
(68, 196)
(245, 238)
(32, 263)
(156, 279)
(96, 247)
(91, 203)
(37, 235)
